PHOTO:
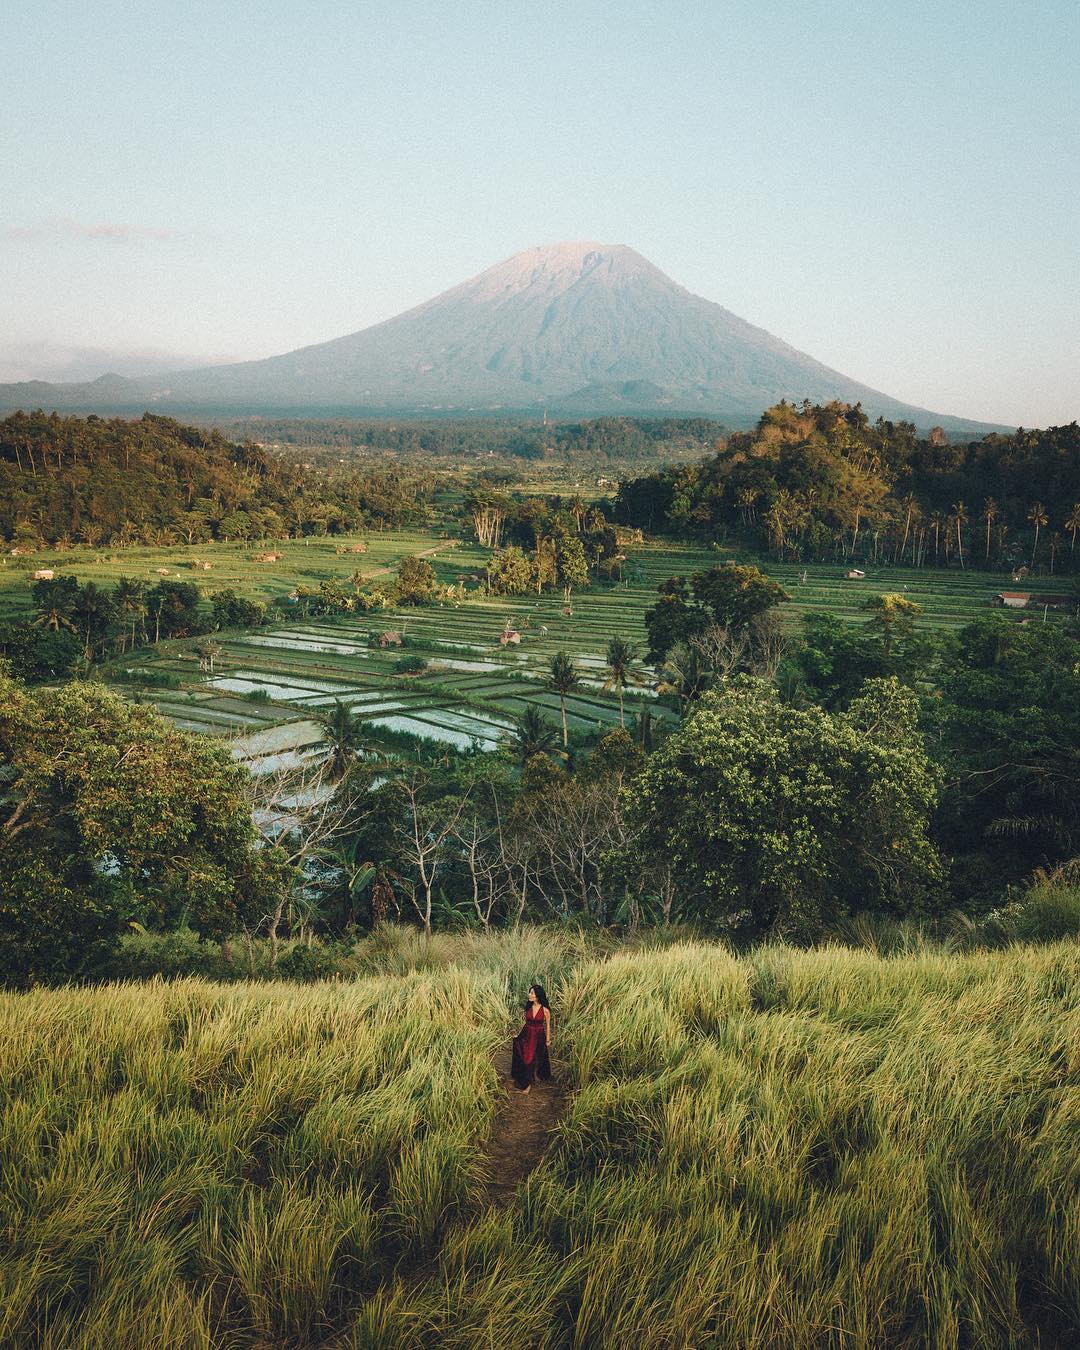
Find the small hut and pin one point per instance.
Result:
(391, 638)
(855, 574)
(44, 574)
(268, 557)
(357, 548)
(509, 637)
(200, 565)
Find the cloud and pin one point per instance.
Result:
(66, 227)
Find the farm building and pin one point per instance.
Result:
(1027, 600)
(390, 638)
(510, 637)
(268, 557)
(855, 574)
(44, 574)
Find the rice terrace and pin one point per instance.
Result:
(538, 812)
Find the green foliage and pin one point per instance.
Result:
(95, 480)
(835, 657)
(1008, 721)
(563, 678)
(114, 814)
(816, 482)
(173, 609)
(416, 581)
(39, 654)
(1049, 912)
(533, 735)
(230, 610)
(731, 596)
(783, 819)
(410, 664)
(509, 572)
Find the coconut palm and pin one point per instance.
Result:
(936, 522)
(562, 680)
(342, 728)
(684, 673)
(533, 735)
(989, 511)
(960, 516)
(1037, 516)
(1072, 525)
(621, 659)
(130, 600)
(94, 608)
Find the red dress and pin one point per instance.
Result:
(530, 1058)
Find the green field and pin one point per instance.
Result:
(791, 1149)
(472, 690)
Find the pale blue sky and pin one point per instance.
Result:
(892, 187)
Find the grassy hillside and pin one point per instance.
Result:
(791, 1149)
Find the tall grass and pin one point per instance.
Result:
(791, 1149)
(185, 1164)
(797, 1149)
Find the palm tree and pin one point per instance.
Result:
(621, 658)
(936, 522)
(683, 673)
(129, 598)
(989, 510)
(533, 735)
(562, 679)
(960, 516)
(1037, 516)
(342, 729)
(95, 609)
(1072, 525)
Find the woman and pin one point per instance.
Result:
(531, 1044)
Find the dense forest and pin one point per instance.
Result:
(594, 441)
(154, 481)
(819, 483)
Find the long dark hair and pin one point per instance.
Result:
(541, 997)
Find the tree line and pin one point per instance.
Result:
(817, 482)
(113, 482)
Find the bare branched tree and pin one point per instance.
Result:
(424, 832)
(301, 812)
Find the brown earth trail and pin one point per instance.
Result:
(523, 1124)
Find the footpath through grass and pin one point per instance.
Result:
(791, 1149)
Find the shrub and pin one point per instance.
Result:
(317, 962)
(1048, 912)
(142, 955)
(410, 665)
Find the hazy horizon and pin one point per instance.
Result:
(894, 193)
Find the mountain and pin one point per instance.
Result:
(577, 329)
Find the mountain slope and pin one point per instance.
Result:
(577, 328)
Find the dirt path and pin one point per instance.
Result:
(426, 553)
(523, 1122)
